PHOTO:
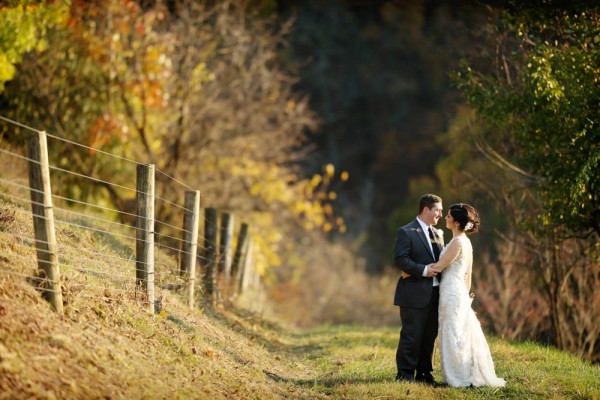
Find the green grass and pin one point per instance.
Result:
(358, 363)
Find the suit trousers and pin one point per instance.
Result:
(417, 337)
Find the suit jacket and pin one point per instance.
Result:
(412, 254)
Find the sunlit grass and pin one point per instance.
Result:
(358, 362)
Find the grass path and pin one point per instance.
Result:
(358, 363)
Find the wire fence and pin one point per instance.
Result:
(81, 217)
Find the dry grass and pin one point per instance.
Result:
(108, 346)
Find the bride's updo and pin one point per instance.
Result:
(466, 216)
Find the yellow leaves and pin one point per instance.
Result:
(345, 176)
(315, 181)
(267, 247)
(201, 74)
(309, 201)
(156, 144)
(330, 170)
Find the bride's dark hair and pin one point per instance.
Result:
(467, 216)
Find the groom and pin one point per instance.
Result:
(417, 292)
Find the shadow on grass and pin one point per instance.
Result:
(330, 382)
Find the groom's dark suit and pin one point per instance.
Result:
(418, 300)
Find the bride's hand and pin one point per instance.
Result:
(430, 271)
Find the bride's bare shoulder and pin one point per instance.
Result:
(455, 243)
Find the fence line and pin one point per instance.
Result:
(78, 294)
(90, 148)
(120, 278)
(212, 255)
(49, 290)
(78, 213)
(98, 218)
(99, 181)
(70, 257)
(62, 221)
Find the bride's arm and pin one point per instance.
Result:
(468, 278)
(449, 255)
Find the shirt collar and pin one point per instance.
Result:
(424, 226)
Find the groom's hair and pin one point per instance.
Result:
(428, 200)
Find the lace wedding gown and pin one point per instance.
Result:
(464, 352)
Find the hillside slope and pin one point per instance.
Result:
(108, 346)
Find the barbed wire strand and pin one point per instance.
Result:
(55, 168)
(19, 124)
(64, 140)
(96, 150)
(64, 210)
(24, 187)
(198, 244)
(46, 289)
(63, 257)
(67, 199)
(52, 167)
(66, 267)
(170, 203)
(170, 226)
(91, 148)
(87, 295)
(201, 216)
(115, 234)
(174, 179)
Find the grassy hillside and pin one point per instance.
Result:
(108, 346)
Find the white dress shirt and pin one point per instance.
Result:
(425, 228)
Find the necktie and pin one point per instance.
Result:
(434, 244)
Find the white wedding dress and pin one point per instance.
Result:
(464, 352)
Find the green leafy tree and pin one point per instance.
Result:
(537, 123)
(545, 103)
(23, 27)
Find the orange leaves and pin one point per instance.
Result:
(102, 131)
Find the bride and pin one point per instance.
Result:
(464, 352)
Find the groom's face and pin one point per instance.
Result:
(432, 215)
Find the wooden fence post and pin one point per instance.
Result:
(238, 256)
(247, 268)
(144, 245)
(43, 218)
(191, 220)
(225, 246)
(210, 253)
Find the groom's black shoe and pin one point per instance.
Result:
(425, 377)
(404, 378)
